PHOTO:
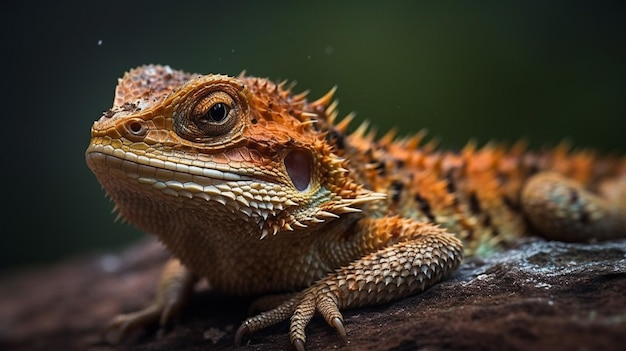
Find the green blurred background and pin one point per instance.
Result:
(474, 69)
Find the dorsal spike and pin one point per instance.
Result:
(431, 145)
(301, 96)
(564, 147)
(360, 131)
(389, 137)
(292, 84)
(470, 147)
(490, 145)
(371, 135)
(262, 83)
(519, 147)
(414, 141)
(281, 85)
(331, 109)
(326, 99)
(342, 126)
(242, 74)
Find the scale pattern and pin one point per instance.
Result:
(261, 191)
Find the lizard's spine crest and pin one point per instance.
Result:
(342, 126)
(326, 99)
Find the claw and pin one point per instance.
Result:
(124, 323)
(338, 324)
(298, 344)
(241, 331)
(166, 314)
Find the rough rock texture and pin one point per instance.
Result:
(540, 296)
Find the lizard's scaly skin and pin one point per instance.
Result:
(261, 191)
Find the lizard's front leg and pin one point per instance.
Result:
(414, 256)
(175, 286)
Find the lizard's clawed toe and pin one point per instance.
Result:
(338, 324)
(241, 331)
(299, 345)
(124, 323)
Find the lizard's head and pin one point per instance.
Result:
(220, 147)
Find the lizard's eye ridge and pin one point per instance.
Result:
(214, 114)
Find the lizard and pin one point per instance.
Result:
(265, 193)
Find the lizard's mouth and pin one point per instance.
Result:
(125, 177)
(145, 169)
(116, 168)
(161, 174)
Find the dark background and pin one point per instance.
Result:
(482, 70)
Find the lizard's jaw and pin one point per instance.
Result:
(206, 191)
(141, 185)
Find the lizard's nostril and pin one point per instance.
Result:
(298, 165)
(135, 129)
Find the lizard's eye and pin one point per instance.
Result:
(211, 114)
(217, 112)
(214, 114)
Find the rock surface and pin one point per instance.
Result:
(540, 296)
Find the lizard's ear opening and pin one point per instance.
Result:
(298, 164)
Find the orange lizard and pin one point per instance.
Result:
(263, 192)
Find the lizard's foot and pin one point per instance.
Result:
(390, 273)
(562, 209)
(301, 309)
(175, 285)
(119, 326)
